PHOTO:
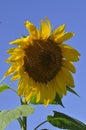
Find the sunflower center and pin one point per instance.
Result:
(42, 60)
(46, 59)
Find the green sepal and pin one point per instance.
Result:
(33, 100)
(71, 90)
(64, 121)
(57, 100)
(24, 36)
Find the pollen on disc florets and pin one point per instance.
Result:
(42, 60)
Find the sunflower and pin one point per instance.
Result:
(42, 63)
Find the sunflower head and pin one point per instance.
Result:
(42, 63)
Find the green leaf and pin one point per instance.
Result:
(72, 91)
(8, 116)
(3, 87)
(63, 121)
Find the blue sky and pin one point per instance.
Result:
(72, 13)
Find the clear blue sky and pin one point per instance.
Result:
(13, 13)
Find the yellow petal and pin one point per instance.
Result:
(18, 41)
(51, 92)
(17, 55)
(43, 93)
(38, 94)
(58, 32)
(67, 77)
(10, 51)
(22, 42)
(23, 84)
(48, 23)
(52, 87)
(69, 53)
(11, 69)
(29, 95)
(61, 84)
(13, 58)
(56, 88)
(69, 65)
(46, 102)
(15, 77)
(32, 29)
(15, 51)
(20, 88)
(64, 37)
(45, 28)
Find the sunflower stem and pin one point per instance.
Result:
(2, 79)
(40, 125)
(20, 121)
(24, 119)
(12, 89)
(24, 123)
